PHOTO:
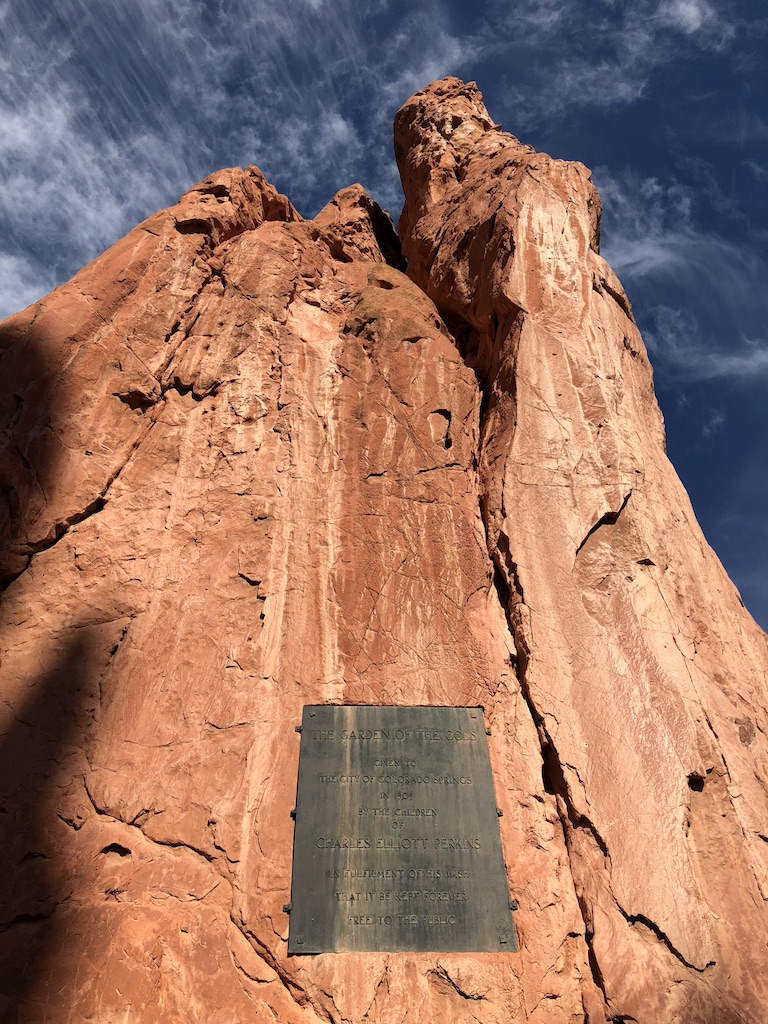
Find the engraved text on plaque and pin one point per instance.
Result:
(397, 842)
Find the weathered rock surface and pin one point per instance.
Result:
(248, 465)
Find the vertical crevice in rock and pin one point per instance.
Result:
(553, 778)
(387, 237)
(509, 592)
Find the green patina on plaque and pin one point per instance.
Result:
(397, 841)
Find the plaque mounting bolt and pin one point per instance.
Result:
(287, 908)
(487, 732)
(514, 905)
(499, 812)
(297, 728)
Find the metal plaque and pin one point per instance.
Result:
(397, 844)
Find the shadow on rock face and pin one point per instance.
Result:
(44, 698)
(39, 751)
(27, 445)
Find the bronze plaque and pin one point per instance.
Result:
(397, 844)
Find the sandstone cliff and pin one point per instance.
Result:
(250, 463)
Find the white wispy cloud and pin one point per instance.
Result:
(703, 314)
(603, 54)
(71, 182)
(679, 340)
(688, 15)
(714, 423)
(760, 172)
(21, 282)
(109, 111)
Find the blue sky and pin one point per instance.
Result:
(110, 109)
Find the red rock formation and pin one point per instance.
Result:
(645, 676)
(250, 465)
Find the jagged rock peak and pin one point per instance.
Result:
(448, 149)
(230, 201)
(353, 218)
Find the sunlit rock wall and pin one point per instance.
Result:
(251, 464)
